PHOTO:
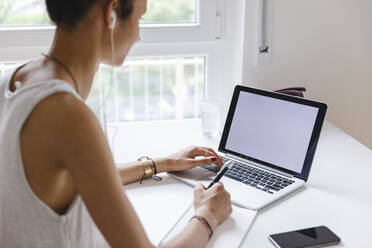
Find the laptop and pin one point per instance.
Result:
(272, 138)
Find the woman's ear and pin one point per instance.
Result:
(113, 17)
(110, 15)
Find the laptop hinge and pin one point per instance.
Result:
(259, 165)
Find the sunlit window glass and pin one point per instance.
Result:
(170, 11)
(149, 89)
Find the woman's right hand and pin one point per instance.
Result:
(213, 204)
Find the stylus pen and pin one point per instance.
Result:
(224, 168)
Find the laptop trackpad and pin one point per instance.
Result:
(196, 173)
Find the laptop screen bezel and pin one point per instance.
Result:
(322, 109)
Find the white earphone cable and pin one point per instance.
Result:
(104, 124)
(113, 75)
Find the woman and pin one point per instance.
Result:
(58, 180)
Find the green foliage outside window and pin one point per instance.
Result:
(176, 11)
(4, 10)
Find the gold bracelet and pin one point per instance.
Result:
(148, 167)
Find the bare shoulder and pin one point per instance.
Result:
(64, 126)
(62, 113)
(64, 103)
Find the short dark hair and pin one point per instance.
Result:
(69, 12)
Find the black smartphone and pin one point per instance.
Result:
(311, 237)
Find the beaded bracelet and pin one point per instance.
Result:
(155, 177)
(205, 222)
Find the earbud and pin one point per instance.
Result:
(113, 19)
(17, 85)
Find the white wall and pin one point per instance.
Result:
(229, 51)
(324, 45)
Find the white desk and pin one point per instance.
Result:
(338, 193)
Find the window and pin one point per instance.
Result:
(32, 12)
(149, 89)
(145, 89)
(165, 75)
(25, 23)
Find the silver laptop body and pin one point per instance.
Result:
(271, 138)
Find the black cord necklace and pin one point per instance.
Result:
(64, 67)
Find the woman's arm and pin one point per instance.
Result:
(193, 236)
(133, 171)
(81, 148)
(182, 160)
(214, 205)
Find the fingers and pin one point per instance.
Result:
(199, 188)
(218, 187)
(199, 151)
(214, 204)
(220, 190)
(207, 152)
(210, 152)
(229, 202)
(228, 196)
(202, 161)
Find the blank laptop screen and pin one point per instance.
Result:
(271, 130)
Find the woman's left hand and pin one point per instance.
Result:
(187, 159)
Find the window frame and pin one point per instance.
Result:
(197, 39)
(14, 38)
(205, 28)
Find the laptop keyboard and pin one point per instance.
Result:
(254, 177)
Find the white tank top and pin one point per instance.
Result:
(25, 221)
